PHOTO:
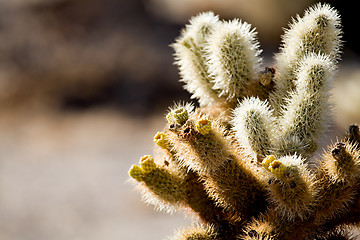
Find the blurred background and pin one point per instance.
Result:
(84, 86)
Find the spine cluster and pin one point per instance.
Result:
(243, 162)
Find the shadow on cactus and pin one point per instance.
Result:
(243, 162)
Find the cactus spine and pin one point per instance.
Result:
(244, 160)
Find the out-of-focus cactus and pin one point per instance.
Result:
(250, 173)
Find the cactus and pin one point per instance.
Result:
(243, 161)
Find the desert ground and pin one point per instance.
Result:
(64, 176)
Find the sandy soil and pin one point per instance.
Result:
(64, 176)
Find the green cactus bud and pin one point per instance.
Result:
(179, 116)
(136, 173)
(147, 164)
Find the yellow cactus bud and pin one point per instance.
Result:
(179, 115)
(277, 168)
(267, 161)
(203, 126)
(161, 141)
(147, 164)
(274, 166)
(136, 173)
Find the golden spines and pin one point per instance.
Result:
(343, 160)
(199, 232)
(337, 182)
(173, 185)
(199, 152)
(304, 116)
(272, 226)
(219, 167)
(341, 163)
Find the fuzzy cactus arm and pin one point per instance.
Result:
(197, 232)
(254, 176)
(352, 218)
(338, 234)
(353, 215)
(339, 173)
(200, 138)
(272, 226)
(313, 212)
(200, 202)
(253, 124)
(305, 116)
(159, 181)
(171, 191)
(318, 31)
(291, 186)
(353, 136)
(225, 177)
(195, 197)
(237, 190)
(190, 57)
(233, 58)
(167, 190)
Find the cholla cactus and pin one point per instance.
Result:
(248, 171)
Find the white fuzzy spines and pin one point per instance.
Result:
(318, 31)
(306, 112)
(233, 58)
(190, 57)
(253, 125)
